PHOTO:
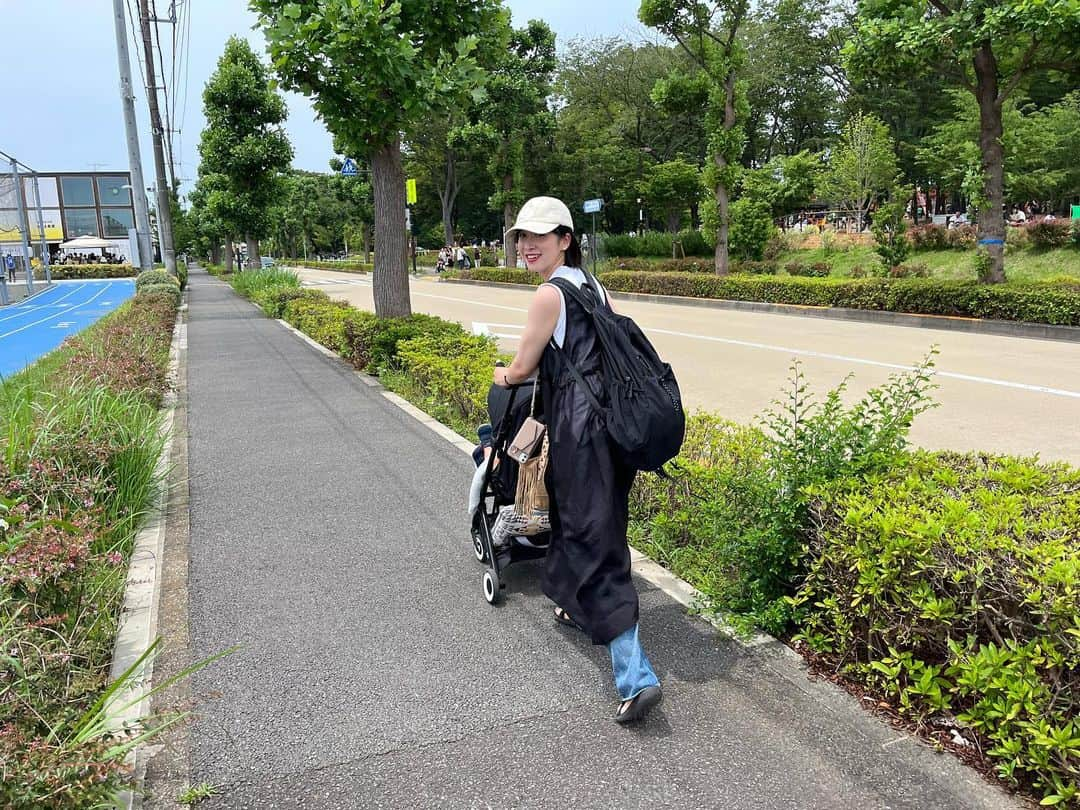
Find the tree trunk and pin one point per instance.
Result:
(509, 215)
(991, 230)
(365, 234)
(228, 254)
(215, 254)
(673, 218)
(390, 281)
(720, 258)
(447, 196)
(254, 257)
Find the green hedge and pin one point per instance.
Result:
(1049, 303)
(655, 243)
(951, 583)
(61, 272)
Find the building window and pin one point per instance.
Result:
(116, 221)
(112, 191)
(46, 190)
(80, 223)
(77, 191)
(7, 192)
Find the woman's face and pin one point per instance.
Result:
(543, 253)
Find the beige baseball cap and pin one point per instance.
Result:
(541, 215)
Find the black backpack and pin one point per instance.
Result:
(644, 413)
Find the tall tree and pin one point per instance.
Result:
(374, 72)
(708, 33)
(243, 143)
(861, 167)
(987, 47)
(672, 188)
(514, 114)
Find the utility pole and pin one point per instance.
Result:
(127, 97)
(164, 193)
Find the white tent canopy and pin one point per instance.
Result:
(86, 243)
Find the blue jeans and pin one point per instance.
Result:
(631, 667)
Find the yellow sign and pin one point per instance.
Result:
(410, 192)
(9, 229)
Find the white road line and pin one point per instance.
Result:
(58, 314)
(27, 308)
(1042, 389)
(483, 328)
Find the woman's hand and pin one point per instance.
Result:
(499, 377)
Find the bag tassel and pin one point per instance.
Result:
(532, 494)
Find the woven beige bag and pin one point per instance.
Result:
(531, 501)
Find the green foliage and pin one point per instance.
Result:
(861, 166)
(670, 189)
(1036, 302)
(196, 793)
(243, 148)
(1046, 235)
(950, 582)
(274, 298)
(60, 272)
(453, 368)
(654, 243)
(808, 270)
(751, 229)
(890, 228)
(148, 277)
(250, 282)
(168, 290)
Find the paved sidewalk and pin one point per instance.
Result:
(329, 538)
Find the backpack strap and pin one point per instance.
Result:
(578, 378)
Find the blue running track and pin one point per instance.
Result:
(39, 324)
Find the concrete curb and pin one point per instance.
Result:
(139, 617)
(1020, 329)
(648, 569)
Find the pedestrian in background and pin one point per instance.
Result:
(9, 265)
(587, 569)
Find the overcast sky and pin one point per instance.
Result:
(63, 102)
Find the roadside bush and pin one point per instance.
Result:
(250, 282)
(500, 274)
(950, 584)
(343, 266)
(62, 272)
(1046, 235)
(890, 233)
(273, 300)
(149, 277)
(815, 270)
(1017, 238)
(765, 268)
(170, 290)
(1014, 301)
(321, 320)
(372, 343)
(653, 243)
(453, 369)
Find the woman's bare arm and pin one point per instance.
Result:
(539, 327)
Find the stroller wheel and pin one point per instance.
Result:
(477, 539)
(492, 586)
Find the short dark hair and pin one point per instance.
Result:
(573, 250)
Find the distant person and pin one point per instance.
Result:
(459, 257)
(9, 264)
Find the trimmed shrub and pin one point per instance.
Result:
(149, 277)
(916, 270)
(796, 268)
(765, 268)
(165, 289)
(1013, 301)
(273, 300)
(453, 369)
(929, 237)
(501, 274)
(372, 343)
(346, 266)
(950, 584)
(1046, 235)
(62, 272)
(654, 243)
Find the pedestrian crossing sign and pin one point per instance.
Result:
(410, 192)
(348, 168)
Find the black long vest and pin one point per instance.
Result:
(587, 571)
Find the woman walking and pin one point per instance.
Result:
(587, 572)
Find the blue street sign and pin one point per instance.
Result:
(593, 206)
(348, 168)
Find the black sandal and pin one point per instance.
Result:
(563, 618)
(639, 705)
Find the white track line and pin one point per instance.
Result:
(1041, 389)
(26, 309)
(58, 314)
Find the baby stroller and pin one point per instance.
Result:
(507, 409)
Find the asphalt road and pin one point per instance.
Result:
(999, 394)
(328, 537)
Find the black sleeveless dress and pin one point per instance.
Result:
(587, 569)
